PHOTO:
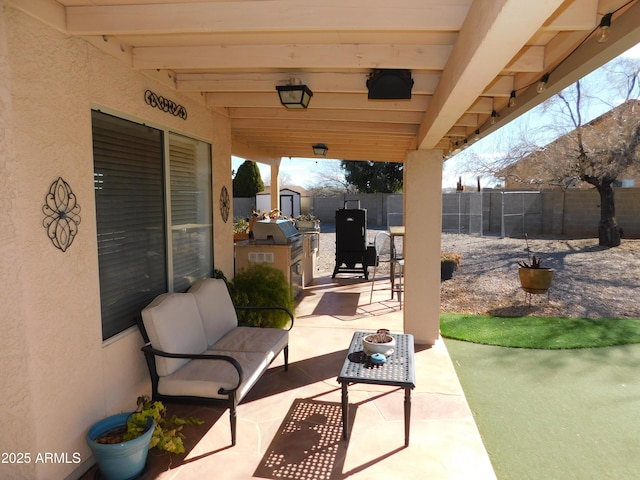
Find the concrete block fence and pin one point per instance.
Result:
(550, 212)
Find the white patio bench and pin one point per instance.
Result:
(196, 352)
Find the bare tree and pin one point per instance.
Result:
(330, 181)
(595, 152)
(598, 156)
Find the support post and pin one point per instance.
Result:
(423, 230)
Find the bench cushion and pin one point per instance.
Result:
(267, 341)
(173, 324)
(216, 308)
(203, 378)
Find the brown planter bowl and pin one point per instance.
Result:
(535, 280)
(238, 237)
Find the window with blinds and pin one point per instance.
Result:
(132, 215)
(191, 229)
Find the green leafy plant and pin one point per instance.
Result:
(307, 217)
(240, 225)
(262, 286)
(167, 435)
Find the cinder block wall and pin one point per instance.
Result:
(552, 212)
(581, 212)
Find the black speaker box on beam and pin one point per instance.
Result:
(390, 84)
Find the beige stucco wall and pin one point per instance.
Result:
(15, 402)
(57, 375)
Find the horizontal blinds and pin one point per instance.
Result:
(128, 182)
(192, 234)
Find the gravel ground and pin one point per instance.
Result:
(590, 281)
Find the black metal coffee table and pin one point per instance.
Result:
(399, 371)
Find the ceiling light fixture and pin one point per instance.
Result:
(512, 99)
(542, 85)
(294, 95)
(603, 29)
(320, 149)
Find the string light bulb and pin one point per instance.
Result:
(603, 29)
(494, 117)
(542, 85)
(512, 99)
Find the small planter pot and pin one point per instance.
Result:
(119, 461)
(449, 263)
(447, 267)
(307, 225)
(370, 346)
(239, 237)
(535, 280)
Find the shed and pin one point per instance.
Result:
(290, 201)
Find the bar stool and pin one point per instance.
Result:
(382, 243)
(397, 278)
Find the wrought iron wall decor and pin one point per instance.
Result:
(225, 203)
(62, 214)
(164, 104)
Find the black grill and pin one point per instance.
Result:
(351, 241)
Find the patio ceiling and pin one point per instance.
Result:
(466, 57)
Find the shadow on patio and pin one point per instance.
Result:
(289, 425)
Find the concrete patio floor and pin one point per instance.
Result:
(289, 426)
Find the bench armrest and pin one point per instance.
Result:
(149, 350)
(286, 310)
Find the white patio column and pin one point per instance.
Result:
(423, 225)
(275, 185)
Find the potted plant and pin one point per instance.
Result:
(380, 342)
(261, 285)
(240, 229)
(534, 278)
(120, 443)
(307, 221)
(449, 263)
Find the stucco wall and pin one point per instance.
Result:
(63, 378)
(15, 402)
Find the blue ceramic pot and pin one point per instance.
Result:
(119, 461)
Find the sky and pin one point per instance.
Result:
(305, 172)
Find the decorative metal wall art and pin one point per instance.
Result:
(62, 214)
(164, 104)
(225, 203)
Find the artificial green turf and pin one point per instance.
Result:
(547, 333)
(554, 414)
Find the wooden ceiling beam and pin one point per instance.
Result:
(480, 54)
(349, 101)
(581, 15)
(340, 82)
(341, 115)
(329, 140)
(250, 15)
(271, 57)
(324, 126)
